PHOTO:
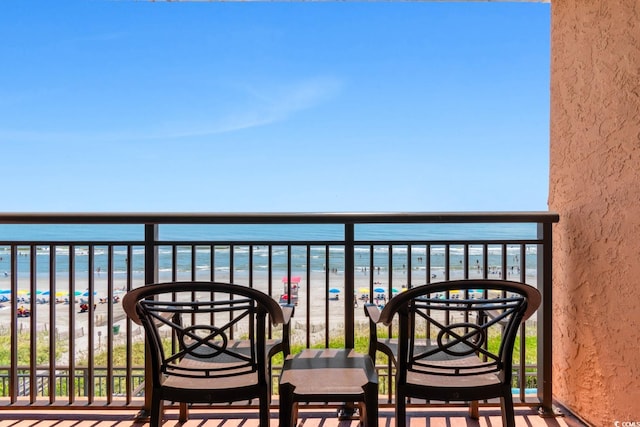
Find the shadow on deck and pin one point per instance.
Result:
(418, 417)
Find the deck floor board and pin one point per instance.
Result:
(437, 417)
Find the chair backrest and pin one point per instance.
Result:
(220, 327)
(461, 327)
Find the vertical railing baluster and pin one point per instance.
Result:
(174, 262)
(505, 262)
(72, 323)
(447, 262)
(307, 294)
(90, 323)
(194, 262)
(129, 338)
(33, 325)
(427, 264)
(251, 267)
(545, 318)
(213, 263)
(13, 370)
(349, 284)
(327, 255)
(408, 269)
(151, 263)
(52, 324)
(326, 304)
(232, 267)
(110, 324)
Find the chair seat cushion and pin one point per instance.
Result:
(212, 383)
(454, 372)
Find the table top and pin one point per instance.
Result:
(328, 372)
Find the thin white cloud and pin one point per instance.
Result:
(268, 105)
(272, 105)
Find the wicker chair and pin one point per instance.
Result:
(208, 342)
(455, 341)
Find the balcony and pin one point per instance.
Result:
(76, 349)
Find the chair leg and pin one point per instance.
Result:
(294, 412)
(401, 410)
(184, 412)
(371, 405)
(156, 411)
(474, 412)
(264, 409)
(364, 416)
(508, 414)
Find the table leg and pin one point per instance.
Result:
(285, 413)
(370, 418)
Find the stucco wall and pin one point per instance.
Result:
(595, 187)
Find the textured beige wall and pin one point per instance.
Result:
(595, 187)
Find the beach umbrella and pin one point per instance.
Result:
(294, 279)
(363, 290)
(334, 290)
(5, 291)
(394, 290)
(379, 290)
(86, 293)
(23, 292)
(62, 293)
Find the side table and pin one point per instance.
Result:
(328, 375)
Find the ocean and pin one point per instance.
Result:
(229, 253)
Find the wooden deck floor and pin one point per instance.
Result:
(436, 417)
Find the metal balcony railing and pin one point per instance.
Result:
(64, 337)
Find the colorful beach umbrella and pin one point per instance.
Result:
(5, 291)
(363, 290)
(334, 290)
(379, 290)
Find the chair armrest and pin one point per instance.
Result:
(372, 311)
(287, 311)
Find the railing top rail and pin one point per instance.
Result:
(276, 217)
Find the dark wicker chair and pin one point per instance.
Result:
(455, 341)
(208, 342)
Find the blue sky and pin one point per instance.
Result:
(274, 107)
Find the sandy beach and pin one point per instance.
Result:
(313, 292)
